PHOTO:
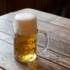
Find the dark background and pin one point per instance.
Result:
(58, 7)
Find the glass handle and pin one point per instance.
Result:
(42, 42)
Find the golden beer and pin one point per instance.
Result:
(25, 39)
(25, 47)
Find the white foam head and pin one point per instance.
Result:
(24, 16)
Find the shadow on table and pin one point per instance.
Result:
(38, 64)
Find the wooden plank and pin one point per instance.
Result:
(40, 15)
(54, 57)
(43, 64)
(58, 29)
(7, 60)
(6, 23)
(58, 32)
(58, 36)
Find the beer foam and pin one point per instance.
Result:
(24, 16)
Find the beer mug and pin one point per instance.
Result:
(25, 39)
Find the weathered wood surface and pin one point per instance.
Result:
(57, 57)
(7, 61)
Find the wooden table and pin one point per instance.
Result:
(57, 55)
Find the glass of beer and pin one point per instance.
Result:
(25, 37)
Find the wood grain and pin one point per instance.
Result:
(57, 54)
(58, 29)
(7, 60)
